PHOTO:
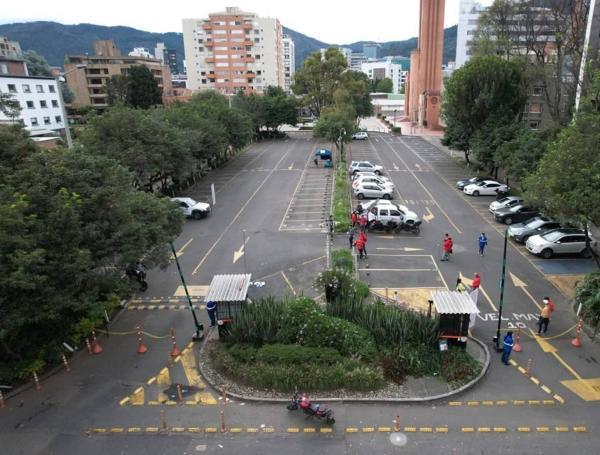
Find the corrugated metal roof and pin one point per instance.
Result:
(228, 288)
(453, 302)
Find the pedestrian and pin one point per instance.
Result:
(330, 222)
(548, 301)
(353, 218)
(476, 281)
(544, 319)
(360, 246)
(351, 234)
(316, 160)
(447, 245)
(362, 221)
(364, 239)
(211, 309)
(482, 240)
(460, 286)
(507, 347)
(359, 209)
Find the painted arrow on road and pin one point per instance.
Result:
(396, 168)
(418, 166)
(518, 283)
(407, 249)
(430, 216)
(239, 253)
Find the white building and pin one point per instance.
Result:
(468, 14)
(233, 50)
(141, 52)
(356, 60)
(41, 107)
(289, 63)
(385, 68)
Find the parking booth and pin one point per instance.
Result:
(230, 293)
(457, 311)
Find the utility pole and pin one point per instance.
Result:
(199, 327)
(500, 304)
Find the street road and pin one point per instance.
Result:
(271, 202)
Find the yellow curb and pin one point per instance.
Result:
(170, 403)
(293, 430)
(558, 398)
(522, 370)
(524, 429)
(352, 430)
(501, 403)
(441, 429)
(455, 403)
(487, 403)
(543, 429)
(325, 430)
(426, 430)
(368, 429)
(194, 430)
(151, 430)
(500, 429)
(561, 429)
(235, 430)
(151, 380)
(251, 430)
(310, 430)
(467, 429)
(124, 401)
(473, 403)
(116, 430)
(191, 403)
(484, 429)
(153, 403)
(579, 429)
(177, 429)
(384, 429)
(518, 402)
(134, 430)
(98, 430)
(210, 430)
(410, 429)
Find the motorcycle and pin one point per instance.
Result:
(138, 273)
(392, 226)
(311, 410)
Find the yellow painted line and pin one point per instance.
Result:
(455, 403)
(288, 282)
(235, 430)
(535, 380)
(467, 429)
(410, 429)
(268, 430)
(293, 430)
(523, 429)
(134, 430)
(153, 403)
(484, 429)
(518, 402)
(326, 430)
(426, 430)
(543, 429)
(501, 403)
(151, 380)
(548, 402)
(210, 430)
(522, 370)
(352, 430)
(98, 430)
(151, 430)
(559, 398)
(487, 403)
(544, 345)
(116, 430)
(180, 251)
(138, 397)
(384, 429)
(124, 401)
(500, 429)
(251, 430)
(546, 389)
(368, 429)
(170, 403)
(564, 364)
(579, 429)
(188, 361)
(534, 402)
(309, 430)
(473, 403)
(441, 429)
(194, 430)
(177, 429)
(162, 307)
(151, 307)
(561, 429)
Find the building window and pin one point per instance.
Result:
(538, 91)
(3, 68)
(12, 88)
(54, 103)
(43, 104)
(534, 125)
(34, 121)
(58, 119)
(535, 108)
(204, 81)
(26, 88)
(46, 120)
(30, 105)
(51, 89)
(39, 88)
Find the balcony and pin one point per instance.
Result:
(207, 26)
(250, 75)
(247, 43)
(248, 26)
(209, 60)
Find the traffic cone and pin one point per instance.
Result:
(175, 352)
(96, 348)
(517, 347)
(576, 342)
(141, 349)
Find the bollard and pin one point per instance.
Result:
(528, 370)
(36, 381)
(224, 394)
(141, 349)
(517, 347)
(96, 348)
(65, 362)
(223, 429)
(397, 424)
(89, 345)
(175, 352)
(179, 394)
(576, 342)
(2, 403)
(163, 422)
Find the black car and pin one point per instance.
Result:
(471, 181)
(520, 232)
(515, 214)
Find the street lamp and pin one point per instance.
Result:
(62, 102)
(395, 117)
(342, 134)
(502, 276)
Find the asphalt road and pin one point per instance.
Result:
(275, 199)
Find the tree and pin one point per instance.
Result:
(485, 88)
(385, 85)
(117, 88)
(142, 88)
(36, 64)
(357, 85)
(335, 125)
(280, 109)
(9, 106)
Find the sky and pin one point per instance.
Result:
(331, 21)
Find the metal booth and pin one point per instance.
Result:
(457, 313)
(230, 293)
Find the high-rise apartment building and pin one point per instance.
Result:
(167, 57)
(289, 63)
(233, 50)
(371, 50)
(468, 15)
(384, 68)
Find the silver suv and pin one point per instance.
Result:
(360, 166)
(560, 241)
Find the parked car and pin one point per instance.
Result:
(373, 191)
(471, 181)
(505, 202)
(514, 214)
(520, 232)
(372, 179)
(357, 166)
(385, 211)
(485, 188)
(359, 174)
(191, 208)
(360, 135)
(560, 241)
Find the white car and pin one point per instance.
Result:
(368, 179)
(191, 208)
(486, 188)
(505, 203)
(358, 166)
(360, 174)
(360, 135)
(373, 191)
(386, 211)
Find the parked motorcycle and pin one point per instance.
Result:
(137, 272)
(311, 410)
(392, 226)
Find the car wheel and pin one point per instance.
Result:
(547, 253)
(586, 253)
(355, 171)
(197, 215)
(360, 196)
(475, 193)
(387, 196)
(508, 220)
(378, 172)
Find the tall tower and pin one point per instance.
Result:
(425, 79)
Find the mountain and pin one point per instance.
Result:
(54, 40)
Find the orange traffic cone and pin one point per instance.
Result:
(175, 352)
(141, 349)
(96, 348)
(517, 347)
(577, 340)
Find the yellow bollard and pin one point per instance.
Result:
(223, 429)
(163, 421)
(397, 424)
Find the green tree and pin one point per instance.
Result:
(485, 88)
(117, 88)
(9, 106)
(36, 64)
(279, 108)
(357, 84)
(385, 85)
(142, 88)
(335, 125)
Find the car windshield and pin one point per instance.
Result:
(552, 236)
(534, 224)
(482, 183)
(504, 200)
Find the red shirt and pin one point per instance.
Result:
(353, 218)
(362, 220)
(448, 244)
(476, 282)
(363, 237)
(359, 243)
(550, 305)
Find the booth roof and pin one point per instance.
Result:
(453, 302)
(228, 288)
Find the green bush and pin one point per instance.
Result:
(587, 293)
(341, 259)
(396, 129)
(458, 367)
(289, 354)
(258, 322)
(341, 199)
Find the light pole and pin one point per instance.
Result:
(395, 117)
(62, 102)
(502, 276)
(342, 134)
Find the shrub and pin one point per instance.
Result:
(334, 283)
(341, 259)
(258, 322)
(341, 199)
(397, 129)
(458, 367)
(587, 293)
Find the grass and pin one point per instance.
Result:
(341, 199)
(341, 259)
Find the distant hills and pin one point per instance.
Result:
(54, 40)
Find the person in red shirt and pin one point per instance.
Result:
(360, 246)
(364, 239)
(476, 281)
(447, 245)
(353, 218)
(548, 301)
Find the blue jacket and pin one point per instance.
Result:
(211, 306)
(508, 342)
(482, 240)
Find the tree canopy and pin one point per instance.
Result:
(385, 85)
(142, 88)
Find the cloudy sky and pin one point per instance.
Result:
(331, 21)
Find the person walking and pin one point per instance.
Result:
(364, 239)
(460, 286)
(548, 301)
(476, 281)
(507, 347)
(360, 246)
(211, 309)
(544, 319)
(362, 221)
(330, 223)
(353, 218)
(483, 241)
(351, 234)
(447, 245)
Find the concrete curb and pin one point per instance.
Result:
(432, 398)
